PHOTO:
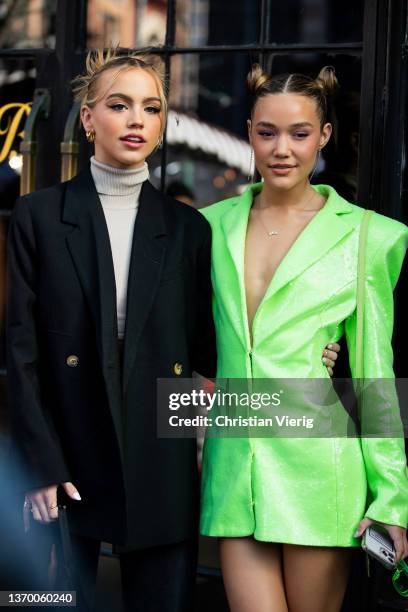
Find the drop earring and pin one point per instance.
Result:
(251, 169)
(90, 135)
(316, 163)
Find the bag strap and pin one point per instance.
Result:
(361, 268)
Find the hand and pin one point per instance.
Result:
(43, 502)
(329, 356)
(397, 534)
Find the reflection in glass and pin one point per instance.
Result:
(128, 23)
(192, 22)
(208, 154)
(27, 23)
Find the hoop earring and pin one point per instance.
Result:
(90, 135)
(251, 169)
(316, 164)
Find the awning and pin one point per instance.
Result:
(185, 130)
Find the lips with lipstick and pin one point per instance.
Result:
(134, 141)
(281, 169)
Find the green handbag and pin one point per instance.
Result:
(400, 578)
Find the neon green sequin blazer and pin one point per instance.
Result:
(303, 491)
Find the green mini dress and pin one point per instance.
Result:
(309, 491)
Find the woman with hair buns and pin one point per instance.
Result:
(109, 290)
(284, 261)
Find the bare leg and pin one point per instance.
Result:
(252, 573)
(315, 578)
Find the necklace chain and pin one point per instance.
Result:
(271, 233)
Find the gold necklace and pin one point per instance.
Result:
(271, 233)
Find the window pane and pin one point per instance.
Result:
(216, 22)
(128, 23)
(207, 147)
(192, 23)
(315, 21)
(27, 23)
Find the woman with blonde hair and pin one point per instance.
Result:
(109, 284)
(288, 510)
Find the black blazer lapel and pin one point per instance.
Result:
(89, 246)
(146, 263)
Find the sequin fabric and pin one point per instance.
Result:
(303, 491)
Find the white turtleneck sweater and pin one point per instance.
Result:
(119, 192)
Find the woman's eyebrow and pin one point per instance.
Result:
(294, 125)
(129, 100)
(121, 96)
(152, 99)
(302, 124)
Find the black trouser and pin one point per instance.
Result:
(158, 579)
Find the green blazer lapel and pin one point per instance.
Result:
(234, 227)
(322, 233)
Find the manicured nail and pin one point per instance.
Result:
(76, 496)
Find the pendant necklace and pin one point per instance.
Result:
(271, 233)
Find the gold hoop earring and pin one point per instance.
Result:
(90, 136)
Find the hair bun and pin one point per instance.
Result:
(256, 79)
(327, 80)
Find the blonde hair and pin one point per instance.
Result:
(84, 86)
(321, 89)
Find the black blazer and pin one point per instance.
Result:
(75, 414)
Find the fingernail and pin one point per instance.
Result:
(330, 346)
(324, 359)
(357, 534)
(76, 496)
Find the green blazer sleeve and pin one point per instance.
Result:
(384, 458)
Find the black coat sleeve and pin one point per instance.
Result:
(205, 355)
(34, 439)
